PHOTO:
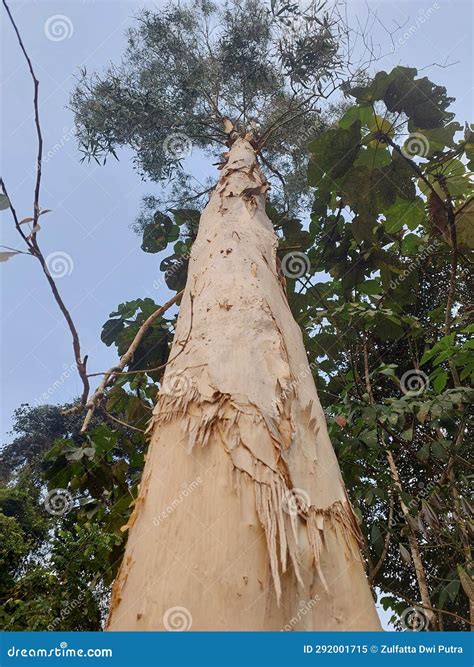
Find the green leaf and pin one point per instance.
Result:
(422, 101)
(423, 454)
(465, 226)
(4, 202)
(370, 287)
(333, 153)
(111, 330)
(439, 383)
(373, 157)
(404, 213)
(359, 112)
(156, 234)
(378, 86)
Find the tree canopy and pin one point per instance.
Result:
(191, 68)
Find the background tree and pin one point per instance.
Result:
(392, 224)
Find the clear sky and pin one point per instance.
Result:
(93, 206)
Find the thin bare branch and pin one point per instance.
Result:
(31, 240)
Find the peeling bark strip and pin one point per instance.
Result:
(270, 530)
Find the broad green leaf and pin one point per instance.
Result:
(333, 153)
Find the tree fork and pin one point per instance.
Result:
(242, 521)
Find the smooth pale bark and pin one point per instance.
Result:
(243, 521)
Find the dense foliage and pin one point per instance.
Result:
(192, 67)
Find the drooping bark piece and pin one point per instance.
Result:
(243, 521)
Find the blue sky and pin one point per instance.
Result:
(93, 206)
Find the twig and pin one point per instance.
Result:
(424, 606)
(108, 415)
(124, 360)
(31, 241)
(157, 368)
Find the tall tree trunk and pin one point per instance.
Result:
(243, 521)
